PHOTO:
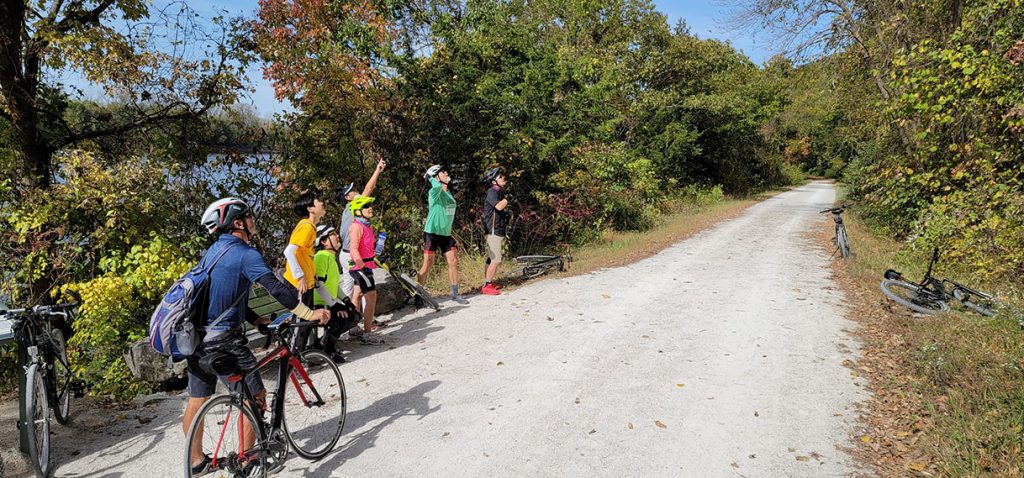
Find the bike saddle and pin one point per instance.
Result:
(893, 275)
(220, 363)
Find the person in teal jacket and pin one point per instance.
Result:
(437, 232)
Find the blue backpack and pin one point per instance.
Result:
(174, 326)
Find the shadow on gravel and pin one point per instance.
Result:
(397, 333)
(384, 412)
(97, 434)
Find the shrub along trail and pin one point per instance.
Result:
(721, 355)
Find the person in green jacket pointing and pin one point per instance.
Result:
(437, 232)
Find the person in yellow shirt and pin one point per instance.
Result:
(300, 270)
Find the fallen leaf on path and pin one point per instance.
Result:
(629, 425)
(751, 456)
(606, 296)
(865, 439)
(577, 402)
(917, 466)
(734, 465)
(791, 450)
(445, 434)
(592, 431)
(756, 414)
(679, 385)
(501, 363)
(802, 458)
(659, 424)
(550, 318)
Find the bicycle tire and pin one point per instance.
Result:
(534, 258)
(61, 377)
(420, 291)
(982, 305)
(529, 272)
(925, 306)
(221, 411)
(37, 421)
(843, 242)
(326, 381)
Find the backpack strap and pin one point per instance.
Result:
(223, 315)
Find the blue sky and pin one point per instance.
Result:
(705, 19)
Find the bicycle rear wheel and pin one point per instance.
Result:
(37, 421)
(535, 270)
(315, 403)
(420, 291)
(912, 297)
(61, 377)
(979, 303)
(843, 242)
(220, 431)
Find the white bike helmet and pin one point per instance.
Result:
(432, 171)
(219, 216)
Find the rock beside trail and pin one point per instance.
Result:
(145, 364)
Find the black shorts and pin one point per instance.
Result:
(201, 384)
(364, 279)
(433, 243)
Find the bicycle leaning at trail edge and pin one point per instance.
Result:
(413, 290)
(307, 410)
(841, 239)
(41, 331)
(931, 295)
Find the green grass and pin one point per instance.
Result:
(967, 370)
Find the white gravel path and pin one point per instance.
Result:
(720, 356)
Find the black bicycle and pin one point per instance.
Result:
(536, 265)
(413, 290)
(842, 240)
(42, 332)
(307, 413)
(932, 295)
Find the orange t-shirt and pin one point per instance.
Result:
(304, 237)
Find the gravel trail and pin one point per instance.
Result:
(720, 356)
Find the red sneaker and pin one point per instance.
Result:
(489, 289)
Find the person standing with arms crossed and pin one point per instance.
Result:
(348, 193)
(437, 232)
(495, 223)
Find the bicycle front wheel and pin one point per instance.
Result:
(37, 421)
(61, 377)
(843, 242)
(983, 305)
(315, 403)
(913, 297)
(420, 291)
(224, 436)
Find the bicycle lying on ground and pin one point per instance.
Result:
(413, 290)
(932, 295)
(536, 265)
(841, 239)
(307, 410)
(42, 332)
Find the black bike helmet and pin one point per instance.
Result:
(491, 175)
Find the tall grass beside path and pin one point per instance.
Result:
(948, 389)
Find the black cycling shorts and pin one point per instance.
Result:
(433, 243)
(364, 279)
(201, 384)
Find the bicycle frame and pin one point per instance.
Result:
(291, 370)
